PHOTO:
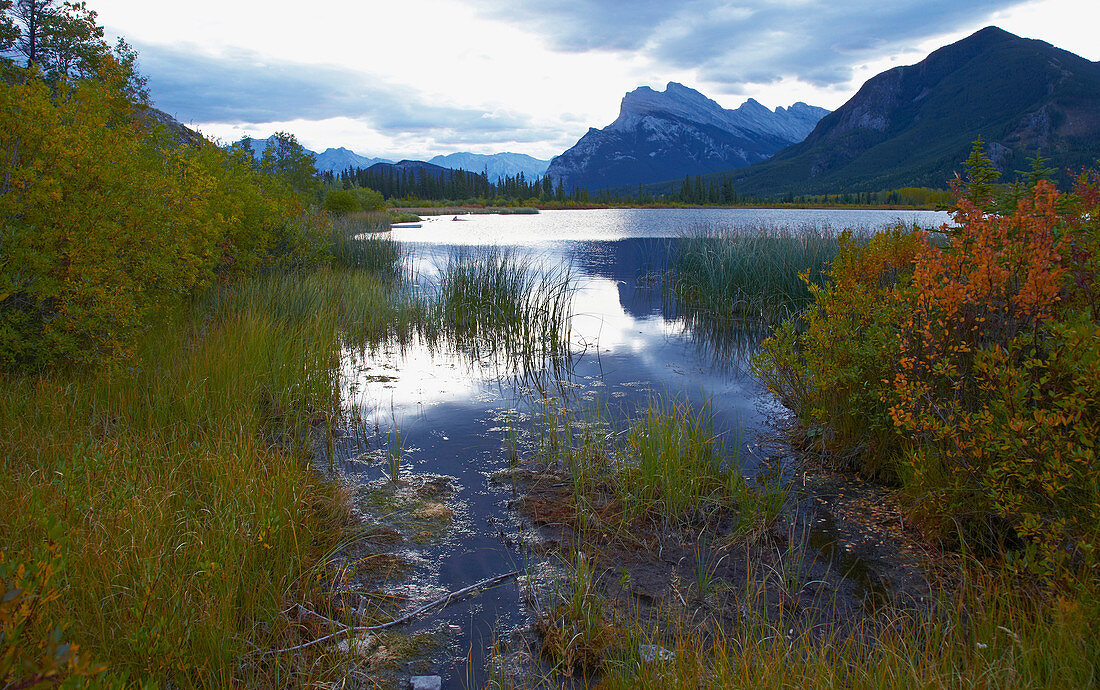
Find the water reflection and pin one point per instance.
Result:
(462, 403)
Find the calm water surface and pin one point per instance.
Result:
(457, 409)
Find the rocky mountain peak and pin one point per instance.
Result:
(661, 135)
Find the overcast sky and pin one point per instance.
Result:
(413, 78)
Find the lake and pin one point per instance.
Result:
(464, 413)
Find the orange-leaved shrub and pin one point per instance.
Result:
(969, 370)
(832, 364)
(104, 216)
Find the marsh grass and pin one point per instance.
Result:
(361, 245)
(722, 276)
(576, 627)
(352, 224)
(987, 634)
(490, 300)
(174, 498)
(667, 462)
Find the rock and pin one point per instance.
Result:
(425, 683)
(651, 653)
(356, 646)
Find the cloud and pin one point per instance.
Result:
(749, 42)
(239, 86)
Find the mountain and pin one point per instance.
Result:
(417, 168)
(185, 136)
(331, 160)
(661, 135)
(335, 160)
(495, 166)
(914, 125)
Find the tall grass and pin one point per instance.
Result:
(667, 463)
(357, 244)
(174, 498)
(490, 299)
(748, 273)
(986, 635)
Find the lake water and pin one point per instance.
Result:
(457, 410)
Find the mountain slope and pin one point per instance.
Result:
(660, 135)
(495, 166)
(913, 125)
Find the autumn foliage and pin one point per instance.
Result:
(106, 216)
(968, 368)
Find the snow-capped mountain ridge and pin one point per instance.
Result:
(662, 135)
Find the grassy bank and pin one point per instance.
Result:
(987, 634)
(161, 516)
(429, 210)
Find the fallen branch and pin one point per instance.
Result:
(442, 603)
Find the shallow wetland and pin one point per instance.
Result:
(456, 450)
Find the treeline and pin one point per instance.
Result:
(108, 215)
(417, 186)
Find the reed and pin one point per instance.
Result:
(753, 274)
(490, 299)
(667, 462)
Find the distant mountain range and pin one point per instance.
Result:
(661, 135)
(914, 125)
(495, 166)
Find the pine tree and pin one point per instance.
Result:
(980, 176)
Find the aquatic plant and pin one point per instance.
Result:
(491, 301)
(719, 276)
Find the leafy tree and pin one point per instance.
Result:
(9, 32)
(286, 159)
(61, 39)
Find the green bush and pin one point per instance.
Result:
(341, 201)
(369, 200)
(105, 219)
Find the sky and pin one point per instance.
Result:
(416, 78)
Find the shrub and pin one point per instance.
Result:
(369, 200)
(104, 219)
(341, 201)
(970, 372)
(832, 364)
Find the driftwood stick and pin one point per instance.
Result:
(442, 602)
(314, 614)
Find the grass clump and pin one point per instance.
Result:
(749, 274)
(489, 298)
(668, 463)
(575, 625)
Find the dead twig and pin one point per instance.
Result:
(442, 603)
